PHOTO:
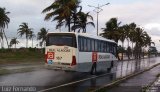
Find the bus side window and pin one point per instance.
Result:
(96, 49)
(79, 43)
(115, 51)
(101, 46)
(112, 46)
(105, 48)
(93, 46)
(88, 45)
(82, 44)
(107, 45)
(85, 44)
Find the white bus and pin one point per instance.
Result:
(76, 52)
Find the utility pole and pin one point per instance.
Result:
(98, 9)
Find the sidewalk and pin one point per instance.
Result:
(136, 83)
(154, 87)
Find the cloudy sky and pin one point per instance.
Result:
(145, 13)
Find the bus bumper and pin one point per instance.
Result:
(60, 67)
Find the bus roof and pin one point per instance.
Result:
(84, 35)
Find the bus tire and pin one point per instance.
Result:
(109, 70)
(112, 64)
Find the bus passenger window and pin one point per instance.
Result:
(79, 43)
(101, 46)
(88, 44)
(111, 48)
(107, 47)
(115, 49)
(85, 44)
(82, 44)
(93, 45)
(96, 49)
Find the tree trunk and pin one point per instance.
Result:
(44, 44)
(69, 24)
(6, 38)
(1, 40)
(26, 41)
(2, 45)
(122, 51)
(132, 50)
(128, 42)
(74, 18)
(32, 42)
(128, 50)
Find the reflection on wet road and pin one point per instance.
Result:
(45, 78)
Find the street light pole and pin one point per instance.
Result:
(98, 9)
(97, 23)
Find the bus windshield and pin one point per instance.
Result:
(61, 40)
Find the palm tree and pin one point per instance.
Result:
(122, 33)
(1, 39)
(75, 18)
(112, 30)
(24, 30)
(42, 35)
(148, 41)
(127, 33)
(14, 41)
(132, 28)
(4, 21)
(61, 11)
(82, 21)
(31, 36)
(140, 40)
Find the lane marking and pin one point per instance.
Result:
(66, 84)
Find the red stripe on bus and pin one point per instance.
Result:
(73, 61)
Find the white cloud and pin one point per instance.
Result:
(152, 25)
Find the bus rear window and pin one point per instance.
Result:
(61, 40)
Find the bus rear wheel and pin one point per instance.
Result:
(109, 70)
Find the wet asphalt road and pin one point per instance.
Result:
(136, 83)
(44, 78)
